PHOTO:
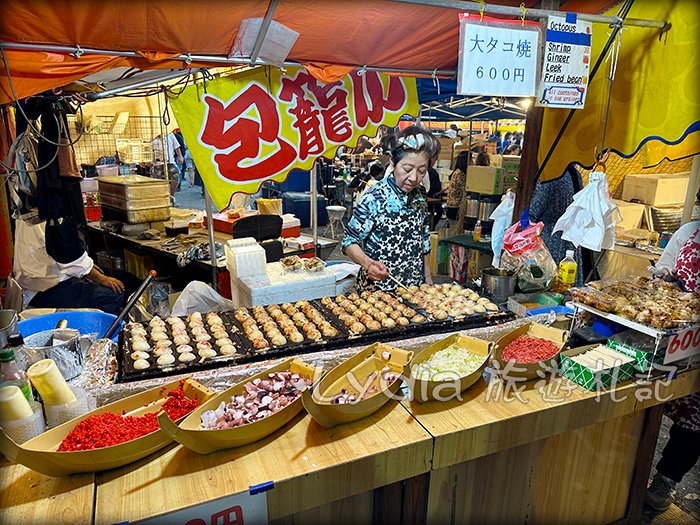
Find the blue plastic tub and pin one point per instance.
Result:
(557, 309)
(84, 322)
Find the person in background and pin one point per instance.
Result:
(366, 179)
(174, 159)
(453, 132)
(50, 262)
(183, 151)
(434, 194)
(679, 263)
(389, 233)
(457, 185)
(483, 159)
(549, 201)
(513, 149)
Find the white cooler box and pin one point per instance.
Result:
(280, 286)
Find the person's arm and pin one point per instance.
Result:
(665, 266)
(180, 158)
(376, 270)
(84, 267)
(358, 229)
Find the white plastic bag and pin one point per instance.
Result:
(590, 220)
(199, 297)
(502, 218)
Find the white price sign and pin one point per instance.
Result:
(497, 59)
(683, 345)
(239, 509)
(567, 54)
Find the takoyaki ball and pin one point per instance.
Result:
(186, 357)
(269, 325)
(296, 337)
(482, 300)
(195, 316)
(314, 334)
(479, 309)
(278, 314)
(299, 316)
(157, 321)
(278, 340)
(223, 342)
(273, 307)
(388, 309)
(358, 314)
(257, 309)
(358, 328)
(195, 324)
(340, 298)
(260, 344)
(395, 314)
(365, 294)
(323, 324)
(227, 350)
(158, 336)
(139, 355)
(240, 314)
(373, 324)
(451, 294)
(219, 327)
(424, 287)
(403, 321)
(162, 350)
(326, 301)
(371, 299)
(343, 316)
(418, 319)
(351, 308)
(409, 312)
(308, 326)
(292, 310)
(473, 296)
(184, 348)
(206, 352)
(413, 288)
(492, 307)
(430, 308)
(365, 306)
(166, 359)
(140, 364)
(219, 334)
(468, 310)
(329, 331)
(439, 314)
(257, 334)
(211, 321)
(349, 321)
(301, 303)
(286, 306)
(289, 329)
(337, 310)
(379, 316)
(388, 323)
(132, 325)
(455, 312)
(366, 319)
(248, 322)
(353, 296)
(138, 331)
(164, 343)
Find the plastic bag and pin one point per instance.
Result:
(524, 251)
(199, 297)
(502, 217)
(590, 220)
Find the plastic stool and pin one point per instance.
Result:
(335, 219)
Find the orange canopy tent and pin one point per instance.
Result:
(333, 36)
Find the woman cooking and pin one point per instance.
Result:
(389, 233)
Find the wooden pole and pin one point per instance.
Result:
(531, 142)
(693, 184)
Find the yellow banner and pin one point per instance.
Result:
(255, 126)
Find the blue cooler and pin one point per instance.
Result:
(84, 322)
(300, 205)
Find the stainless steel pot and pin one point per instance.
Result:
(498, 284)
(472, 200)
(8, 325)
(486, 207)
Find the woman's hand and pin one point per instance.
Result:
(114, 284)
(376, 270)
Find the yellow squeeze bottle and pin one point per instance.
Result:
(47, 379)
(566, 277)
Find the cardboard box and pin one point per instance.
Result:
(594, 379)
(656, 189)
(485, 179)
(478, 260)
(632, 214)
(433, 256)
(445, 148)
(640, 347)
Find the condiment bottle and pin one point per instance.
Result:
(567, 272)
(51, 385)
(10, 371)
(477, 231)
(13, 404)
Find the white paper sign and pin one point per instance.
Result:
(497, 60)
(683, 345)
(239, 509)
(567, 54)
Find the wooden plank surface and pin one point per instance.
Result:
(492, 419)
(310, 466)
(27, 497)
(578, 477)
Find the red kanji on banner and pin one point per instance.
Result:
(226, 129)
(331, 98)
(369, 99)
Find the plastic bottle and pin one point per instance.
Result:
(10, 371)
(477, 231)
(566, 277)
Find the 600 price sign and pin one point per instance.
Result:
(516, 74)
(683, 345)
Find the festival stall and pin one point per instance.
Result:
(433, 403)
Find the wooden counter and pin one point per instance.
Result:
(310, 466)
(29, 497)
(582, 457)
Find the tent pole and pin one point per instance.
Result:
(263, 31)
(212, 241)
(534, 14)
(142, 83)
(313, 208)
(212, 59)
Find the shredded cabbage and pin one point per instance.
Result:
(450, 363)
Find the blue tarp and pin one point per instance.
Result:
(440, 102)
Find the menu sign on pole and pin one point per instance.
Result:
(567, 54)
